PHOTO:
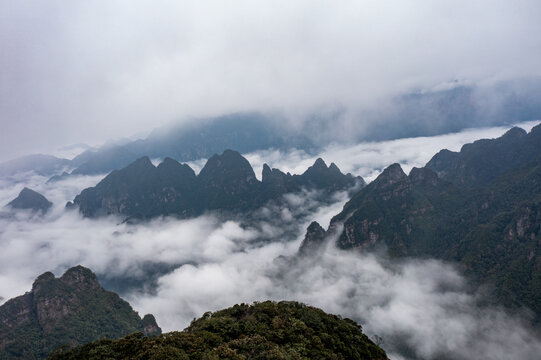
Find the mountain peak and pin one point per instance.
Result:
(150, 326)
(230, 165)
(41, 280)
(317, 169)
(334, 168)
(391, 175)
(175, 169)
(514, 133)
(142, 162)
(30, 199)
(319, 164)
(266, 173)
(315, 235)
(80, 275)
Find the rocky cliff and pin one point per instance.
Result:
(70, 310)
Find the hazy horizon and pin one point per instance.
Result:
(87, 73)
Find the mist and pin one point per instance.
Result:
(420, 308)
(179, 269)
(74, 72)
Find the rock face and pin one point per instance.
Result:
(70, 310)
(491, 225)
(226, 183)
(266, 330)
(30, 200)
(313, 240)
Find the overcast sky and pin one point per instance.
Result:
(75, 71)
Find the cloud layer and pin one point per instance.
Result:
(75, 72)
(179, 269)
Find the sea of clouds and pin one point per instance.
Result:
(179, 269)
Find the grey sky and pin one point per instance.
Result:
(88, 71)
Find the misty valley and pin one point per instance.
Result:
(397, 249)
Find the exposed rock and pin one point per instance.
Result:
(150, 326)
(313, 240)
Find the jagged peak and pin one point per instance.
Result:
(231, 162)
(139, 166)
(171, 164)
(269, 174)
(319, 164)
(318, 167)
(393, 173)
(334, 168)
(150, 326)
(313, 239)
(266, 172)
(313, 227)
(142, 161)
(42, 279)
(80, 275)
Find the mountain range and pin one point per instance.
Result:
(425, 112)
(226, 183)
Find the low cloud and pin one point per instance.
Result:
(368, 159)
(179, 269)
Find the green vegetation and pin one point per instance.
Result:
(70, 310)
(267, 330)
(490, 223)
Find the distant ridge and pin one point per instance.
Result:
(226, 183)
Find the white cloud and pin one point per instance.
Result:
(211, 263)
(75, 71)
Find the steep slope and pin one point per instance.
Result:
(73, 309)
(492, 231)
(30, 200)
(226, 183)
(313, 239)
(267, 330)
